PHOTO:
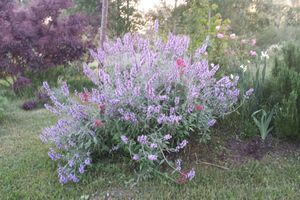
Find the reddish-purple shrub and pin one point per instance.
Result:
(29, 105)
(37, 37)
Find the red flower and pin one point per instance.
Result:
(85, 96)
(180, 63)
(183, 178)
(199, 107)
(101, 108)
(98, 123)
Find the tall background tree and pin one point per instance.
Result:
(104, 16)
(123, 15)
(195, 18)
(37, 37)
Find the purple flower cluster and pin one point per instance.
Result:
(152, 110)
(53, 155)
(172, 119)
(152, 157)
(90, 74)
(167, 137)
(191, 174)
(153, 146)
(135, 157)
(65, 176)
(128, 116)
(181, 145)
(124, 139)
(142, 139)
(211, 122)
(249, 92)
(65, 89)
(81, 169)
(53, 98)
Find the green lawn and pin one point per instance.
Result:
(26, 172)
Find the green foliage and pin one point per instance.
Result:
(256, 76)
(286, 90)
(287, 121)
(72, 73)
(75, 78)
(274, 35)
(3, 106)
(123, 15)
(252, 16)
(291, 57)
(198, 19)
(37, 77)
(264, 123)
(279, 89)
(79, 82)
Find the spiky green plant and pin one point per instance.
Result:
(264, 123)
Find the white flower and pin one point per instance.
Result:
(232, 36)
(47, 20)
(244, 68)
(264, 55)
(220, 35)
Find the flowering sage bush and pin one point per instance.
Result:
(150, 98)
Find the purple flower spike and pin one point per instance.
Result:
(135, 157)
(124, 139)
(181, 145)
(153, 145)
(167, 137)
(191, 174)
(156, 26)
(211, 122)
(81, 169)
(53, 155)
(142, 139)
(152, 157)
(65, 89)
(88, 161)
(249, 92)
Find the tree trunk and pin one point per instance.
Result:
(174, 20)
(103, 29)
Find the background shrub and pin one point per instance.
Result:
(29, 105)
(286, 90)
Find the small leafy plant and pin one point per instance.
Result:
(264, 123)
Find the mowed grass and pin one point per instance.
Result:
(26, 172)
